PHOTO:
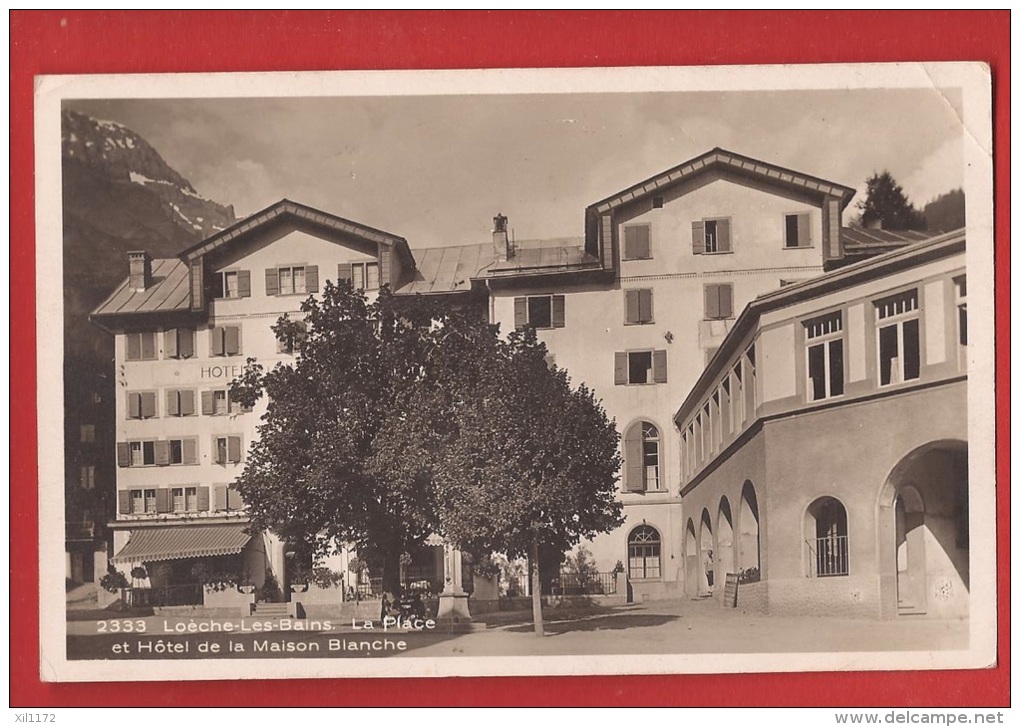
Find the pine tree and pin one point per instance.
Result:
(886, 203)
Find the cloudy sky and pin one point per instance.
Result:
(437, 169)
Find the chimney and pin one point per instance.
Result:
(140, 267)
(500, 241)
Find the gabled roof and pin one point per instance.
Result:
(722, 159)
(169, 292)
(301, 215)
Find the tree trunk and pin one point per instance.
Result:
(391, 571)
(536, 588)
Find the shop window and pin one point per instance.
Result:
(644, 553)
(824, 342)
(899, 345)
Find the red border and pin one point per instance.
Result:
(131, 42)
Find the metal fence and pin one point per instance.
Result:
(829, 556)
(584, 584)
(188, 594)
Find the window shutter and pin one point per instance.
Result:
(123, 454)
(633, 480)
(344, 271)
(234, 499)
(558, 311)
(172, 403)
(148, 404)
(520, 312)
(162, 452)
(190, 451)
(231, 342)
(645, 306)
(698, 237)
(722, 228)
(620, 373)
(124, 502)
(220, 497)
(207, 403)
(804, 230)
(187, 402)
(635, 242)
(244, 283)
(272, 281)
(726, 301)
(148, 345)
(186, 342)
(219, 455)
(217, 286)
(216, 341)
(163, 500)
(170, 343)
(134, 346)
(711, 301)
(134, 406)
(632, 305)
(659, 367)
(203, 499)
(234, 449)
(311, 278)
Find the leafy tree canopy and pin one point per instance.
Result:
(886, 202)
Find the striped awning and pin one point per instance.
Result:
(174, 542)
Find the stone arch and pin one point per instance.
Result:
(691, 565)
(826, 537)
(725, 561)
(644, 553)
(706, 553)
(749, 526)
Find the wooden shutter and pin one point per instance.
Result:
(711, 301)
(558, 311)
(170, 343)
(633, 460)
(216, 341)
(698, 237)
(244, 283)
(134, 346)
(190, 451)
(722, 229)
(148, 404)
(234, 499)
(220, 497)
(173, 408)
(203, 499)
(187, 400)
(207, 403)
(148, 345)
(163, 500)
(162, 452)
(345, 271)
(632, 306)
(234, 449)
(311, 278)
(272, 281)
(645, 306)
(124, 502)
(520, 312)
(186, 342)
(123, 454)
(726, 300)
(134, 406)
(659, 367)
(804, 230)
(636, 245)
(231, 340)
(621, 373)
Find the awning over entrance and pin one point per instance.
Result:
(183, 541)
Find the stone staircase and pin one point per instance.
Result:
(274, 610)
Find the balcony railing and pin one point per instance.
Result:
(828, 556)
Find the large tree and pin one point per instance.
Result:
(886, 202)
(533, 463)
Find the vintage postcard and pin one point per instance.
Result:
(592, 371)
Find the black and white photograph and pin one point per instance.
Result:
(613, 371)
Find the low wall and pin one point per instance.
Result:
(753, 597)
(228, 598)
(844, 596)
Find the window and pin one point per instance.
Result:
(899, 345)
(185, 499)
(824, 356)
(88, 477)
(289, 339)
(961, 313)
(540, 311)
(718, 301)
(292, 280)
(640, 367)
(643, 553)
(637, 242)
(225, 341)
(141, 404)
(641, 458)
(217, 402)
(181, 451)
(227, 449)
(711, 236)
(180, 403)
(798, 230)
(141, 346)
(232, 284)
(365, 276)
(826, 538)
(88, 433)
(142, 453)
(150, 501)
(657, 202)
(638, 306)
(179, 343)
(137, 501)
(227, 498)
